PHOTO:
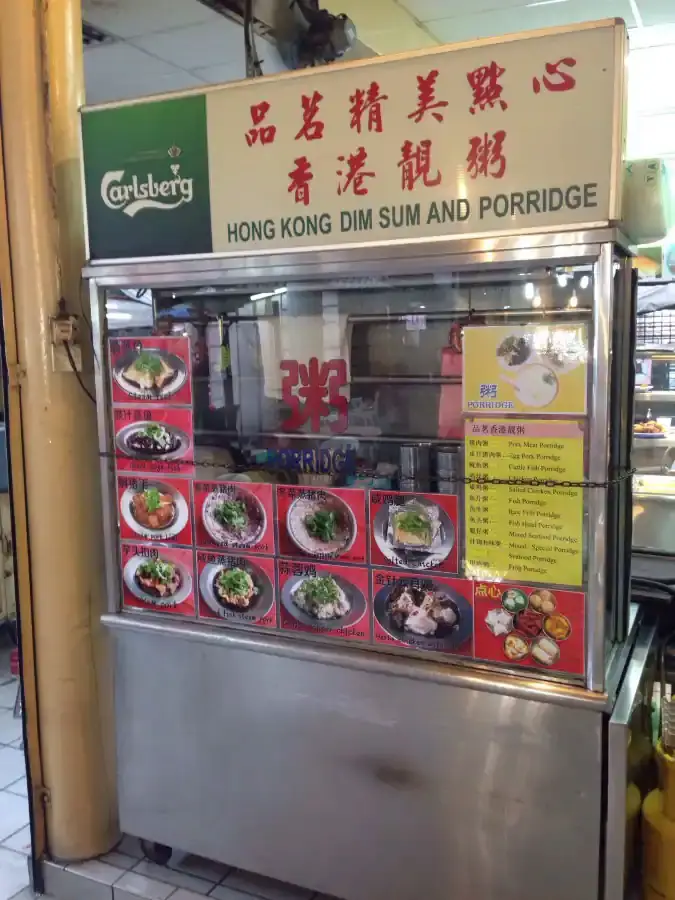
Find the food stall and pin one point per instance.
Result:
(365, 459)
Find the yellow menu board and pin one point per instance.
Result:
(518, 532)
(538, 369)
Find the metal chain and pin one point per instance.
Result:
(177, 465)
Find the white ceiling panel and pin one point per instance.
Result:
(429, 10)
(657, 12)
(197, 46)
(120, 72)
(526, 18)
(130, 18)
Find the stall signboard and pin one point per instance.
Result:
(234, 516)
(324, 600)
(536, 370)
(158, 579)
(524, 530)
(237, 590)
(483, 138)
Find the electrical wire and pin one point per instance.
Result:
(77, 374)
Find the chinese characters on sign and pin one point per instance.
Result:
(312, 392)
(486, 152)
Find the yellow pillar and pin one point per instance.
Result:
(41, 86)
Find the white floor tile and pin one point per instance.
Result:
(13, 814)
(171, 876)
(13, 873)
(19, 841)
(196, 865)
(96, 870)
(8, 694)
(10, 728)
(220, 892)
(121, 860)
(140, 886)
(182, 894)
(12, 766)
(19, 787)
(131, 846)
(25, 894)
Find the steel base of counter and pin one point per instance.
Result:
(346, 780)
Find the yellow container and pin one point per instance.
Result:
(658, 839)
(666, 764)
(633, 804)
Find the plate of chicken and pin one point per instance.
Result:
(425, 613)
(240, 592)
(157, 581)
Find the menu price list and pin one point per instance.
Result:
(237, 590)
(324, 600)
(428, 613)
(519, 531)
(537, 627)
(235, 517)
(158, 579)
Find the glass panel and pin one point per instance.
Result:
(326, 438)
(653, 454)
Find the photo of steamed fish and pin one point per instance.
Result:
(150, 373)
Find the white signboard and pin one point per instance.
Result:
(490, 137)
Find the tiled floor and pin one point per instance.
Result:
(14, 828)
(126, 874)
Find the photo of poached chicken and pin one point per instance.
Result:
(416, 534)
(158, 581)
(327, 602)
(321, 598)
(240, 592)
(150, 373)
(236, 519)
(154, 510)
(321, 525)
(435, 617)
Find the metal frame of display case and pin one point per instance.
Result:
(162, 799)
(569, 247)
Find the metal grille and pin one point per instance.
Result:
(656, 327)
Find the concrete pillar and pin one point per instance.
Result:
(41, 87)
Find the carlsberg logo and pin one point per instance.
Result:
(136, 193)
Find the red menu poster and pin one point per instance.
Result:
(154, 509)
(152, 369)
(158, 579)
(154, 439)
(235, 516)
(331, 601)
(535, 627)
(322, 524)
(414, 531)
(423, 611)
(237, 589)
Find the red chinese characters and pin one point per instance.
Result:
(426, 98)
(487, 91)
(312, 128)
(260, 131)
(313, 392)
(300, 178)
(353, 174)
(370, 102)
(486, 155)
(415, 165)
(556, 78)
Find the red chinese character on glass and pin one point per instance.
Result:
(300, 177)
(354, 174)
(312, 128)
(560, 80)
(426, 98)
(369, 101)
(318, 393)
(484, 82)
(486, 155)
(415, 165)
(260, 132)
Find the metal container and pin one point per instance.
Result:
(413, 484)
(448, 487)
(414, 460)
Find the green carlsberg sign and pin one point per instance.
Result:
(147, 180)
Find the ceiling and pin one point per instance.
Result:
(154, 46)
